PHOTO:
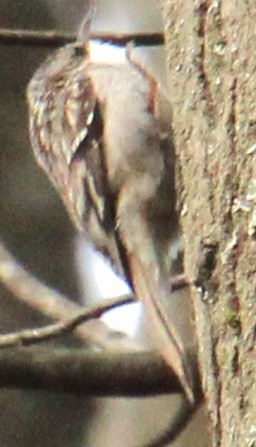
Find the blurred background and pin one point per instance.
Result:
(35, 227)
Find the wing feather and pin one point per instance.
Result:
(64, 114)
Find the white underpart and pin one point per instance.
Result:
(103, 53)
(98, 281)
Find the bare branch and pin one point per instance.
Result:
(32, 336)
(35, 38)
(33, 292)
(55, 305)
(88, 373)
(76, 372)
(55, 39)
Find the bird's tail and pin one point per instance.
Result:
(153, 292)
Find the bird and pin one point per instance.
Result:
(100, 128)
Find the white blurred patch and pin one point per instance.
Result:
(98, 281)
(101, 53)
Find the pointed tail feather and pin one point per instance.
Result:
(152, 293)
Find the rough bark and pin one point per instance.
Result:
(211, 67)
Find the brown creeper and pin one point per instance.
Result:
(101, 131)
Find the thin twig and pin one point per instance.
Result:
(35, 38)
(55, 305)
(55, 39)
(33, 292)
(82, 373)
(58, 307)
(32, 336)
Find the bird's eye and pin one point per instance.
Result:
(79, 50)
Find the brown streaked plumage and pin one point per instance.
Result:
(101, 132)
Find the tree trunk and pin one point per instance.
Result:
(212, 87)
